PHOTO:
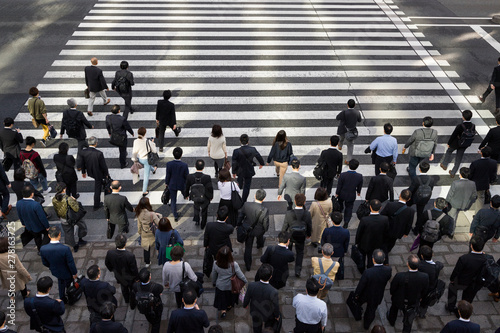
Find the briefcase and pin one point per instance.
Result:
(354, 306)
(86, 93)
(74, 292)
(363, 210)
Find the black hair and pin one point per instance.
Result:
(124, 64)
(464, 172)
(336, 217)
(200, 164)
(44, 284)
(189, 296)
(63, 148)
(467, 114)
(167, 94)
(375, 205)
(120, 241)
(406, 194)
(177, 153)
(312, 287)
(334, 140)
(54, 231)
(222, 213)
(428, 121)
(283, 237)
(351, 103)
(424, 166)
(93, 272)
(426, 252)
(486, 151)
(384, 167)
(265, 272)
(353, 164)
(413, 261)
(495, 201)
(8, 122)
(144, 275)
(477, 243)
(107, 310)
(30, 141)
(295, 163)
(115, 109)
(388, 128)
(244, 139)
(27, 191)
(379, 256)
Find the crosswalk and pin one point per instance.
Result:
(258, 67)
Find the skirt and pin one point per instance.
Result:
(224, 299)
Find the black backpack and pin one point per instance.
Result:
(71, 125)
(121, 85)
(146, 302)
(431, 228)
(424, 191)
(197, 191)
(467, 136)
(489, 273)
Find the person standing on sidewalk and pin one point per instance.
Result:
(38, 111)
(347, 128)
(96, 84)
(494, 85)
(122, 84)
(422, 144)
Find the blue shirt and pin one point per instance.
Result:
(386, 145)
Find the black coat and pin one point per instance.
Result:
(129, 80)
(49, 310)
(483, 172)
(108, 327)
(348, 119)
(93, 163)
(205, 180)
(4, 180)
(467, 268)
(445, 224)
(10, 142)
(115, 208)
(94, 79)
(152, 287)
(460, 326)
(81, 121)
(339, 238)
(457, 132)
(116, 123)
(187, 321)
(165, 113)
(492, 139)
(97, 293)
(371, 233)
(412, 291)
(400, 224)
(217, 235)
(263, 300)
(66, 167)
(243, 161)
(372, 284)
(333, 158)
(249, 214)
(298, 217)
(415, 184)
(349, 183)
(123, 264)
(278, 257)
(432, 270)
(381, 188)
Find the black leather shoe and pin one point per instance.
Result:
(82, 242)
(98, 206)
(75, 248)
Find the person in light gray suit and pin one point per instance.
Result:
(293, 183)
(115, 206)
(254, 213)
(461, 196)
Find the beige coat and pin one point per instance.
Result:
(319, 219)
(143, 220)
(22, 275)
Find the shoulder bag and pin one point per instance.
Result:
(243, 229)
(236, 283)
(171, 245)
(38, 321)
(328, 219)
(153, 157)
(236, 200)
(118, 139)
(73, 217)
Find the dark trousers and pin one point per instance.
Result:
(123, 156)
(161, 133)
(63, 284)
(248, 248)
(413, 164)
(328, 184)
(258, 320)
(147, 256)
(126, 290)
(4, 199)
(121, 229)
(289, 201)
(469, 292)
(497, 95)
(341, 270)
(178, 299)
(346, 207)
(369, 316)
(233, 213)
(155, 319)
(300, 327)
(203, 207)
(69, 232)
(367, 258)
(389, 245)
(379, 160)
(245, 183)
(97, 192)
(299, 249)
(8, 161)
(81, 144)
(71, 188)
(407, 319)
(128, 103)
(458, 158)
(173, 203)
(41, 238)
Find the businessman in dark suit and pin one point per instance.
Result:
(263, 300)
(33, 217)
(190, 318)
(465, 274)
(94, 164)
(126, 94)
(421, 180)
(96, 84)
(401, 218)
(107, 323)
(115, 209)
(243, 165)
(407, 289)
(486, 223)
(372, 232)
(381, 186)
(58, 258)
(97, 293)
(492, 140)
(146, 285)
(339, 237)
(175, 179)
(4, 193)
(200, 203)
(333, 159)
(217, 234)
(463, 324)
(49, 310)
(278, 256)
(462, 195)
(445, 222)
(254, 214)
(494, 85)
(10, 143)
(371, 286)
(432, 269)
(123, 264)
(165, 117)
(348, 119)
(483, 172)
(115, 123)
(350, 183)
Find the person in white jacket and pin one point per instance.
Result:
(140, 153)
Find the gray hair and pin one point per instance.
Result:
(260, 194)
(92, 141)
(327, 249)
(71, 102)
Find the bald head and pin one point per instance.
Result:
(93, 61)
(115, 185)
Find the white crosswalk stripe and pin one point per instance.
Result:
(258, 67)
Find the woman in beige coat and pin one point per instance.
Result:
(320, 211)
(22, 277)
(145, 215)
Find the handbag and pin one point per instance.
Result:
(74, 292)
(106, 185)
(243, 229)
(73, 217)
(207, 262)
(236, 283)
(86, 93)
(328, 219)
(354, 306)
(357, 257)
(109, 232)
(153, 157)
(236, 200)
(363, 210)
(152, 225)
(165, 197)
(336, 207)
(171, 245)
(186, 283)
(351, 134)
(118, 139)
(52, 132)
(434, 295)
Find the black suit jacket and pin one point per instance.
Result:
(415, 184)
(205, 180)
(495, 76)
(263, 300)
(66, 167)
(411, 292)
(49, 310)
(165, 113)
(483, 172)
(117, 123)
(371, 232)
(432, 269)
(123, 264)
(348, 119)
(400, 224)
(455, 136)
(278, 257)
(217, 235)
(249, 213)
(80, 120)
(115, 208)
(467, 268)
(350, 183)
(94, 79)
(10, 142)
(338, 237)
(492, 139)
(188, 321)
(460, 326)
(108, 326)
(243, 161)
(298, 217)
(381, 188)
(445, 225)
(487, 217)
(333, 159)
(129, 80)
(93, 163)
(4, 181)
(97, 293)
(59, 259)
(372, 284)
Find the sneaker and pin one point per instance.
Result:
(43, 142)
(47, 191)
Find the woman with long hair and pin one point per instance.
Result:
(162, 239)
(217, 148)
(17, 276)
(281, 152)
(320, 210)
(140, 153)
(66, 169)
(226, 185)
(145, 216)
(221, 275)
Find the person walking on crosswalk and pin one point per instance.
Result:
(217, 150)
(347, 128)
(140, 151)
(93, 163)
(385, 147)
(165, 117)
(73, 123)
(96, 84)
(118, 127)
(38, 111)
(175, 179)
(494, 85)
(243, 165)
(422, 144)
(122, 84)
(33, 166)
(10, 143)
(281, 153)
